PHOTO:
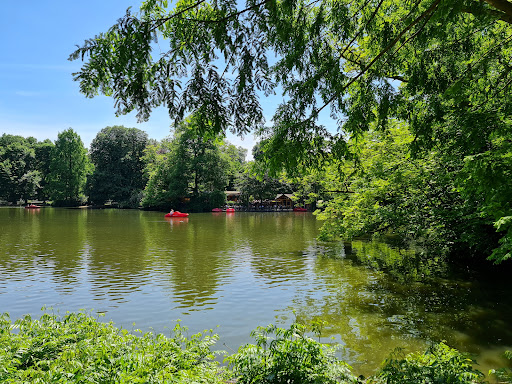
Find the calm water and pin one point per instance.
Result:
(240, 271)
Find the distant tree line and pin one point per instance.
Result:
(445, 204)
(43, 170)
(187, 170)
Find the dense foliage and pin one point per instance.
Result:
(235, 157)
(117, 154)
(77, 348)
(257, 187)
(420, 199)
(24, 166)
(68, 170)
(43, 156)
(439, 364)
(193, 172)
(288, 356)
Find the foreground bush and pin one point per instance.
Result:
(439, 364)
(76, 348)
(288, 356)
(504, 375)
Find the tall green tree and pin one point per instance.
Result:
(69, 168)
(310, 187)
(117, 154)
(43, 155)
(386, 191)
(253, 185)
(19, 178)
(193, 174)
(235, 157)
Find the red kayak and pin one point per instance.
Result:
(32, 206)
(232, 210)
(299, 209)
(177, 214)
(217, 210)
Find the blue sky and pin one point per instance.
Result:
(37, 94)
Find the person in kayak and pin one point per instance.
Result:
(171, 212)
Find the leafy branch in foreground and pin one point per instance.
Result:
(427, 62)
(442, 68)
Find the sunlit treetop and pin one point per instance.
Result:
(443, 66)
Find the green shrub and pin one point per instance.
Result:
(440, 364)
(76, 348)
(504, 375)
(287, 357)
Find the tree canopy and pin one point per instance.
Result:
(118, 156)
(432, 62)
(69, 167)
(24, 166)
(192, 170)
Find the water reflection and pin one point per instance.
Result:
(116, 259)
(245, 270)
(402, 264)
(32, 248)
(372, 313)
(278, 246)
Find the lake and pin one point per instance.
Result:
(239, 271)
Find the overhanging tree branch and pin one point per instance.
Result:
(160, 22)
(381, 53)
(492, 12)
(504, 6)
(222, 20)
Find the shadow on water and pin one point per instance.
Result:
(381, 297)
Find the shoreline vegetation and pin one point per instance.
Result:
(385, 192)
(78, 347)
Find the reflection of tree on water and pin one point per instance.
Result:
(342, 296)
(373, 312)
(66, 239)
(278, 246)
(402, 264)
(50, 252)
(452, 305)
(200, 256)
(191, 258)
(117, 255)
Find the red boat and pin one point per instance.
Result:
(32, 206)
(177, 214)
(299, 209)
(217, 210)
(232, 210)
